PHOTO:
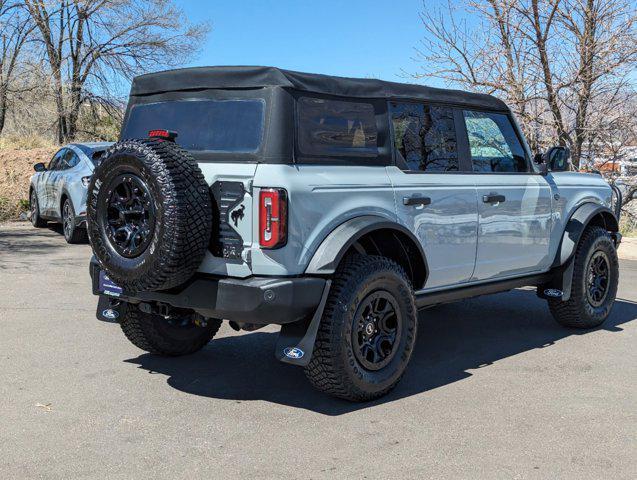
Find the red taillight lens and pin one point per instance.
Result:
(167, 134)
(273, 213)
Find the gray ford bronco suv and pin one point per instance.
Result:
(336, 208)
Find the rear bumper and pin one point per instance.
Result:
(257, 300)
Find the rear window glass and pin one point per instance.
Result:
(336, 128)
(94, 154)
(203, 125)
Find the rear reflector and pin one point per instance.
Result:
(273, 213)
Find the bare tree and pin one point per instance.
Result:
(15, 28)
(565, 66)
(91, 45)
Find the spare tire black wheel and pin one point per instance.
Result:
(149, 215)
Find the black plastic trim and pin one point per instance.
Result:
(425, 299)
(257, 300)
(576, 225)
(331, 251)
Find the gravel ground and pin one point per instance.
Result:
(495, 390)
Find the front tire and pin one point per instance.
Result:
(72, 232)
(368, 330)
(36, 220)
(172, 337)
(595, 279)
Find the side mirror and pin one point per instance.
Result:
(558, 159)
(39, 167)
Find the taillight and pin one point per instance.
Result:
(160, 133)
(273, 213)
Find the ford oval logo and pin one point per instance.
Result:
(110, 314)
(553, 293)
(293, 352)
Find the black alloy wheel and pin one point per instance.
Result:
(598, 278)
(376, 331)
(130, 216)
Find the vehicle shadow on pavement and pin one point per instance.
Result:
(26, 247)
(32, 242)
(452, 340)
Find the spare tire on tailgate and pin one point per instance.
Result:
(149, 214)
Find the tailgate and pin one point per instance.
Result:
(231, 236)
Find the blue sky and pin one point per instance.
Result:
(359, 38)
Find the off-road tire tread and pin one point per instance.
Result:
(325, 371)
(140, 331)
(187, 221)
(569, 313)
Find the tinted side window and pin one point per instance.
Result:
(425, 137)
(55, 163)
(70, 159)
(493, 143)
(336, 128)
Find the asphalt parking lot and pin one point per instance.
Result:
(496, 389)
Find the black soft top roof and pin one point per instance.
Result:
(256, 77)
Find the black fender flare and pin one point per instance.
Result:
(563, 264)
(331, 251)
(576, 225)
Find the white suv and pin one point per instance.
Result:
(57, 192)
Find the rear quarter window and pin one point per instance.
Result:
(336, 128)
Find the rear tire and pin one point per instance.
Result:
(362, 349)
(72, 232)
(171, 337)
(36, 220)
(592, 294)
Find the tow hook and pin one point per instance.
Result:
(155, 308)
(173, 314)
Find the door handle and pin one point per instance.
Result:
(416, 200)
(493, 198)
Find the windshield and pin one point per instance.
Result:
(202, 125)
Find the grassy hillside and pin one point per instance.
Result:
(16, 167)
